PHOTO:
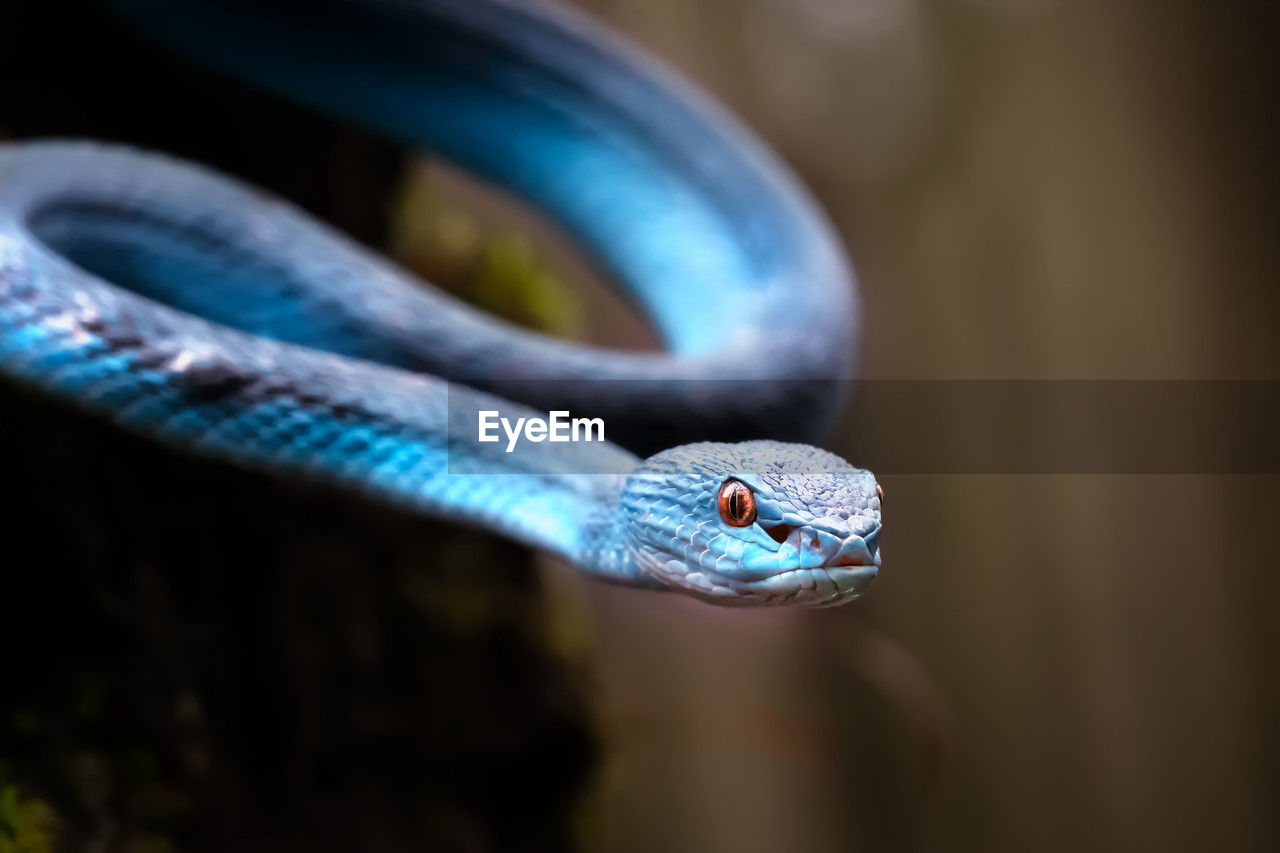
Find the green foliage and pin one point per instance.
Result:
(26, 823)
(482, 257)
(513, 279)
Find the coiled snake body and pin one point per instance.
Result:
(201, 312)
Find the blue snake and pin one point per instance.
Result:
(207, 315)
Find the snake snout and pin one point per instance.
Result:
(858, 549)
(852, 558)
(855, 551)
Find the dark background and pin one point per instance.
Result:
(1031, 190)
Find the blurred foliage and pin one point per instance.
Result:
(438, 232)
(26, 823)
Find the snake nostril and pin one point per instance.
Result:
(780, 532)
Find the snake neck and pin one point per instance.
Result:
(606, 549)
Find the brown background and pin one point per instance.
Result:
(1035, 190)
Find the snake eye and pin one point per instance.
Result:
(880, 494)
(737, 504)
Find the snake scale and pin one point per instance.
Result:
(207, 315)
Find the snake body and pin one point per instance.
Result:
(201, 312)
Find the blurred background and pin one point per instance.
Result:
(1030, 189)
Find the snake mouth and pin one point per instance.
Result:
(821, 586)
(840, 578)
(851, 580)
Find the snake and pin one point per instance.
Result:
(209, 316)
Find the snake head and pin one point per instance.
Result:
(756, 523)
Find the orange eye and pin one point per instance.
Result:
(737, 504)
(880, 494)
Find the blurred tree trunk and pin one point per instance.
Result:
(1038, 189)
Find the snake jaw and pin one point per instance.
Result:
(822, 586)
(812, 567)
(844, 573)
